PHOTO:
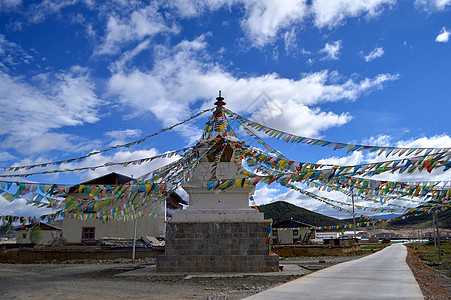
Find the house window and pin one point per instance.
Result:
(295, 232)
(88, 233)
(275, 233)
(24, 235)
(88, 210)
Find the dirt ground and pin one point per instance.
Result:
(97, 281)
(433, 284)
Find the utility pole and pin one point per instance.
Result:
(419, 237)
(433, 228)
(134, 234)
(353, 213)
(134, 239)
(165, 213)
(374, 228)
(438, 237)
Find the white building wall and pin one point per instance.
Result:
(286, 236)
(47, 236)
(72, 228)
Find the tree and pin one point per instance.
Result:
(4, 228)
(35, 235)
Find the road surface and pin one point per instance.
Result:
(382, 275)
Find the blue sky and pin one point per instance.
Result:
(78, 76)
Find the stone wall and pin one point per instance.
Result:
(217, 247)
(25, 255)
(301, 250)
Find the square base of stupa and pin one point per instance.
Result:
(217, 246)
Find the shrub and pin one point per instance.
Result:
(35, 235)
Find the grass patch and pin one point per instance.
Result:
(374, 247)
(428, 254)
(365, 249)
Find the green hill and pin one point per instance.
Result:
(281, 210)
(425, 220)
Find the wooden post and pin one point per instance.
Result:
(353, 214)
(433, 228)
(438, 238)
(134, 239)
(165, 215)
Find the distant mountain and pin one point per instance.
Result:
(387, 216)
(281, 210)
(425, 220)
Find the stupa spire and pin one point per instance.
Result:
(218, 124)
(220, 100)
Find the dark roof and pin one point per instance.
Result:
(111, 178)
(290, 224)
(43, 226)
(174, 201)
(57, 223)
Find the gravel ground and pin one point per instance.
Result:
(97, 281)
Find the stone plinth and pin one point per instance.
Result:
(217, 247)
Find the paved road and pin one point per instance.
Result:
(383, 275)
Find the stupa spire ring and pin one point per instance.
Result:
(220, 100)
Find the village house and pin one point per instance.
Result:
(292, 232)
(88, 231)
(48, 233)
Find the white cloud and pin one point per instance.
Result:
(38, 12)
(120, 156)
(265, 194)
(9, 4)
(290, 41)
(443, 36)
(5, 156)
(354, 159)
(298, 118)
(375, 53)
(331, 50)
(436, 141)
(194, 8)
(363, 157)
(19, 207)
(29, 113)
(141, 23)
(183, 76)
(123, 136)
(332, 13)
(435, 175)
(11, 54)
(379, 140)
(128, 56)
(264, 19)
(432, 5)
